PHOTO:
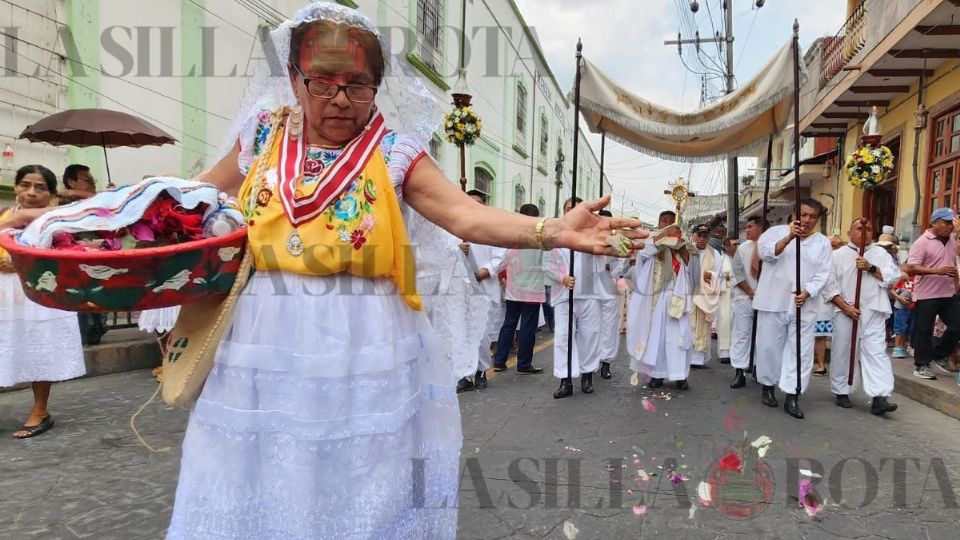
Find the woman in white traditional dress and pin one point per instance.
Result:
(38, 345)
(328, 412)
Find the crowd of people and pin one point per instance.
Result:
(737, 302)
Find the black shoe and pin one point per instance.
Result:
(586, 383)
(843, 400)
(565, 390)
(464, 385)
(725, 361)
(881, 406)
(704, 366)
(769, 396)
(751, 371)
(480, 380)
(739, 379)
(605, 370)
(792, 407)
(498, 369)
(655, 383)
(683, 385)
(530, 370)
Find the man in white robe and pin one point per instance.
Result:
(658, 315)
(776, 301)
(724, 320)
(586, 317)
(872, 366)
(484, 263)
(746, 270)
(704, 275)
(614, 268)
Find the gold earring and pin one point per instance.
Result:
(296, 121)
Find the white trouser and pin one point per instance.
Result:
(495, 316)
(740, 334)
(872, 364)
(776, 358)
(609, 329)
(586, 337)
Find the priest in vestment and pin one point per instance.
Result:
(704, 275)
(658, 317)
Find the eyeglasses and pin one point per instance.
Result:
(326, 89)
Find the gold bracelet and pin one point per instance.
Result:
(538, 233)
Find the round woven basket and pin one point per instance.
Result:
(128, 280)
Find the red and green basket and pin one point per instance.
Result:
(128, 280)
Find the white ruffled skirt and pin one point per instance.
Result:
(37, 343)
(327, 415)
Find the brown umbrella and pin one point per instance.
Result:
(96, 127)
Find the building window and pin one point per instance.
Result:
(482, 181)
(430, 32)
(544, 138)
(943, 181)
(518, 197)
(521, 111)
(436, 148)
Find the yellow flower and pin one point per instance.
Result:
(868, 158)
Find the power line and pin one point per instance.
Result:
(38, 14)
(101, 94)
(101, 71)
(221, 18)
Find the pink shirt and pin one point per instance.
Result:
(930, 252)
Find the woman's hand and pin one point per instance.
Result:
(19, 219)
(582, 230)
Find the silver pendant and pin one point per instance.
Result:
(295, 244)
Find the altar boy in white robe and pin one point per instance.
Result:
(705, 268)
(872, 363)
(746, 269)
(586, 316)
(484, 262)
(614, 268)
(776, 302)
(724, 321)
(658, 316)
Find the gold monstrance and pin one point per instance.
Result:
(679, 193)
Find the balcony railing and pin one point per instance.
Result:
(841, 48)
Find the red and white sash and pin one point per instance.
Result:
(333, 180)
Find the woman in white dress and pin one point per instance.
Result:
(329, 412)
(38, 345)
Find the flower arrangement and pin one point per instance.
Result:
(462, 126)
(868, 166)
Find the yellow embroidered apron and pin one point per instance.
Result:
(361, 233)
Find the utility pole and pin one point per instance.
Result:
(733, 210)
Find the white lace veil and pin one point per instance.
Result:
(400, 90)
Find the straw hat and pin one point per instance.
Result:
(887, 240)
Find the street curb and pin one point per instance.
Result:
(942, 394)
(929, 393)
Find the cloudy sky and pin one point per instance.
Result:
(625, 38)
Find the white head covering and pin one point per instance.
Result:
(887, 229)
(406, 104)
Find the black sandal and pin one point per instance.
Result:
(33, 431)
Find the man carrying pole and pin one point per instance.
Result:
(746, 270)
(777, 303)
(869, 307)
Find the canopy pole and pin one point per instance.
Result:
(796, 168)
(603, 147)
(573, 202)
(763, 226)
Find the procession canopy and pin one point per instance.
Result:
(727, 127)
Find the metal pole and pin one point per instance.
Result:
(573, 193)
(763, 224)
(733, 218)
(603, 146)
(106, 162)
(796, 169)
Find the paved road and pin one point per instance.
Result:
(535, 467)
